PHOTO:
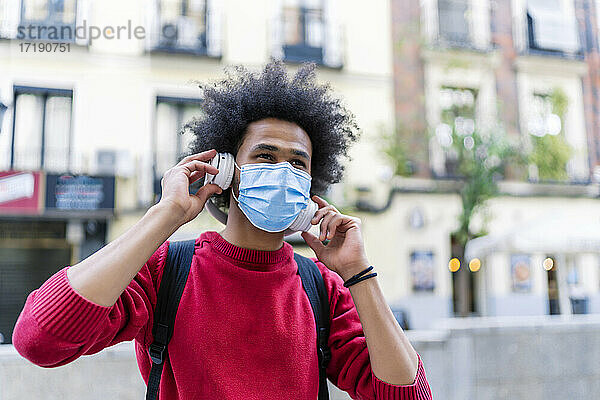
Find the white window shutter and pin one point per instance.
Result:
(276, 30)
(10, 16)
(214, 27)
(152, 24)
(82, 19)
(333, 45)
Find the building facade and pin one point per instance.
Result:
(494, 67)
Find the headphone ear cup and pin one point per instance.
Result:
(225, 163)
(302, 222)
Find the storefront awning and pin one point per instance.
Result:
(556, 232)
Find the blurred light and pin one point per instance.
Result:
(553, 124)
(469, 126)
(544, 125)
(454, 265)
(443, 132)
(469, 142)
(459, 123)
(492, 161)
(548, 264)
(445, 99)
(464, 126)
(385, 173)
(475, 265)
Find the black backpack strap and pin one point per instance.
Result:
(174, 277)
(314, 285)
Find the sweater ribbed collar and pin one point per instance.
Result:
(260, 260)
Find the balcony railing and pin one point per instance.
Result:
(307, 35)
(48, 21)
(199, 34)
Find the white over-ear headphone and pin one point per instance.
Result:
(225, 163)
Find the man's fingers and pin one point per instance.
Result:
(321, 213)
(336, 221)
(203, 156)
(206, 191)
(199, 166)
(325, 223)
(320, 202)
(313, 242)
(195, 176)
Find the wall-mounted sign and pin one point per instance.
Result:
(422, 271)
(520, 266)
(20, 192)
(80, 192)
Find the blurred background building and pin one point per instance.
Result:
(89, 129)
(477, 175)
(468, 73)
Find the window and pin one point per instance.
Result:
(551, 153)
(303, 30)
(542, 120)
(41, 134)
(169, 144)
(48, 20)
(458, 114)
(454, 22)
(182, 26)
(552, 27)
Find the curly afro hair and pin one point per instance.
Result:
(242, 97)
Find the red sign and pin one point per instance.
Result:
(20, 192)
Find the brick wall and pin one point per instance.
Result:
(409, 88)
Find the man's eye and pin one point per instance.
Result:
(298, 162)
(266, 155)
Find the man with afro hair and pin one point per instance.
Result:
(245, 328)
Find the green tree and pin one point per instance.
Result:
(550, 150)
(481, 161)
(478, 160)
(393, 147)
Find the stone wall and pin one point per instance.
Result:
(481, 358)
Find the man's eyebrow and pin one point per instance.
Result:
(264, 146)
(270, 147)
(301, 153)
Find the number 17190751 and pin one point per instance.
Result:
(45, 47)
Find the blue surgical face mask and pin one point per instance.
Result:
(272, 195)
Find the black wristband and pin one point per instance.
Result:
(355, 277)
(362, 279)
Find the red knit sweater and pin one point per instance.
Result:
(244, 329)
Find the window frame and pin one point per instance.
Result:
(303, 51)
(50, 21)
(200, 50)
(530, 45)
(45, 93)
(180, 103)
(449, 171)
(452, 42)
